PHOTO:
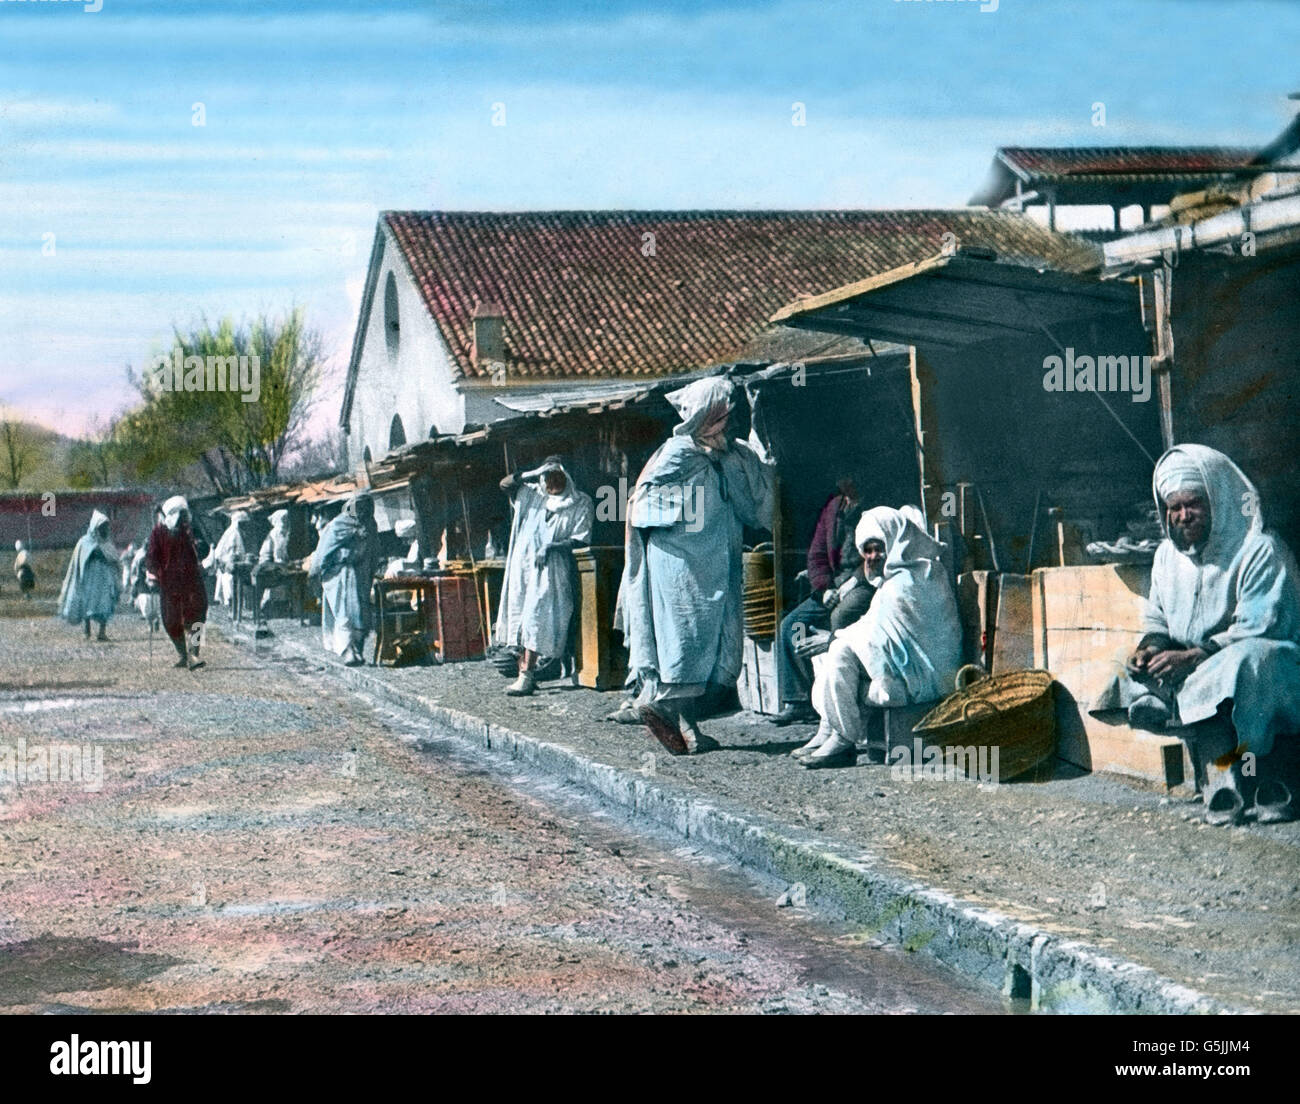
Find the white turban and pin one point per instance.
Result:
(405, 529)
(1179, 471)
(171, 510)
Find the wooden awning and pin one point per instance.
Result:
(959, 299)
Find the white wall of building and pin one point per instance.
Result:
(415, 384)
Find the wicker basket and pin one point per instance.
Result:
(1013, 712)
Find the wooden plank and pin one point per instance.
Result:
(1013, 642)
(1089, 619)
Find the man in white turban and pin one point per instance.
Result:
(539, 591)
(680, 604)
(905, 649)
(172, 564)
(1220, 646)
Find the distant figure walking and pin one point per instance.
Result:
(90, 587)
(172, 562)
(344, 562)
(23, 570)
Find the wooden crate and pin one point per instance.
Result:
(458, 625)
(1086, 620)
(601, 654)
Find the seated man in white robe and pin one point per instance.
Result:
(1220, 647)
(906, 649)
(539, 589)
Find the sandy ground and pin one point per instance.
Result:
(265, 841)
(1087, 856)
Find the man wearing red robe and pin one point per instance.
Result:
(172, 561)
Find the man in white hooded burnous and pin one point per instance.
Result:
(538, 593)
(344, 562)
(91, 586)
(1220, 646)
(906, 649)
(229, 549)
(680, 604)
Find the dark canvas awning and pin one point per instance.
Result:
(959, 300)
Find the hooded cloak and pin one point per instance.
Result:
(91, 586)
(909, 640)
(680, 601)
(344, 562)
(1236, 597)
(229, 549)
(275, 548)
(538, 598)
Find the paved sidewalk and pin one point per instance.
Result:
(1067, 880)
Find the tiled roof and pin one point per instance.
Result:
(1048, 162)
(583, 295)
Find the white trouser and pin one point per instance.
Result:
(837, 689)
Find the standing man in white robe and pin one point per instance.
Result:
(538, 593)
(1220, 648)
(906, 648)
(680, 605)
(344, 562)
(274, 550)
(229, 549)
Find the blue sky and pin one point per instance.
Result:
(319, 115)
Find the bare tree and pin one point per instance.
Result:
(18, 449)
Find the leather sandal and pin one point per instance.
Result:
(1273, 803)
(1224, 807)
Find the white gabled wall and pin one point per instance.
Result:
(416, 384)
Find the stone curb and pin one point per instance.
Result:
(1020, 960)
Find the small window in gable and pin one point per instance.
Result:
(392, 327)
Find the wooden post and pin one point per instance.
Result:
(1162, 366)
(925, 429)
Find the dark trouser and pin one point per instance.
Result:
(794, 674)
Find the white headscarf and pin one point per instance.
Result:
(909, 640)
(404, 529)
(700, 404)
(171, 510)
(278, 519)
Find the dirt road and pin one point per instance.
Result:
(263, 841)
